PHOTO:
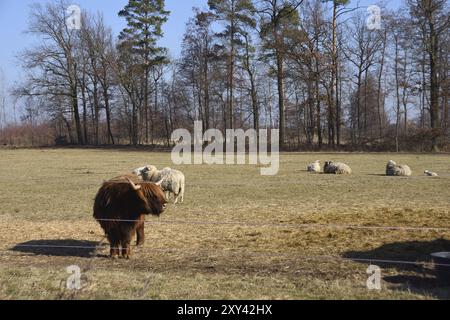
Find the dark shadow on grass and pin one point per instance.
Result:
(58, 248)
(419, 279)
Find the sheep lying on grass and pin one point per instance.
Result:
(336, 168)
(171, 181)
(315, 167)
(395, 170)
(431, 174)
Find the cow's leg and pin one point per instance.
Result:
(126, 244)
(111, 234)
(126, 250)
(115, 247)
(140, 233)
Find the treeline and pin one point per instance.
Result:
(323, 72)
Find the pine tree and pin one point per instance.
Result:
(334, 121)
(235, 14)
(145, 19)
(277, 18)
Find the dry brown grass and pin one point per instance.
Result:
(237, 236)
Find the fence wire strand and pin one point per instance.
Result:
(101, 246)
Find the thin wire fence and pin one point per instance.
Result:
(278, 225)
(211, 253)
(282, 225)
(328, 258)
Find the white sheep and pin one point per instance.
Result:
(337, 168)
(315, 167)
(395, 170)
(431, 174)
(171, 181)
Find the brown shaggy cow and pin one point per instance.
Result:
(121, 206)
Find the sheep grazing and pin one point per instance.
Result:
(315, 167)
(171, 181)
(431, 174)
(336, 168)
(395, 170)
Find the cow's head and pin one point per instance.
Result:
(160, 201)
(155, 198)
(142, 203)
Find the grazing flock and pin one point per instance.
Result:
(171, 181)
(122, 203)
(392, 169)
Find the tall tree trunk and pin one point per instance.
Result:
(434, 90)
(108, 115)
(76, 114)
(147, 107)
(155, 111)
(97, 113)
(318, 104)
(379, 90)
(231, 71)
(358, 105)
(281, 102)
(334, 82)
(366, 102)
(253, 90)
(255, 104)
(310, 116)
(69, 129)
(134, 125)
(424, 91)
(206, 102)
(84, 101)
(397, 91)
(338, 106)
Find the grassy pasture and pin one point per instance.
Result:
(239, 235)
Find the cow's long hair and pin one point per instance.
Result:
(121, 205)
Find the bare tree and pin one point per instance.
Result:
(2, 101)
(433, 21)
(361, 53)
(52, 65)
(276, 17)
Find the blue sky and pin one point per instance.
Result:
(14, 17)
